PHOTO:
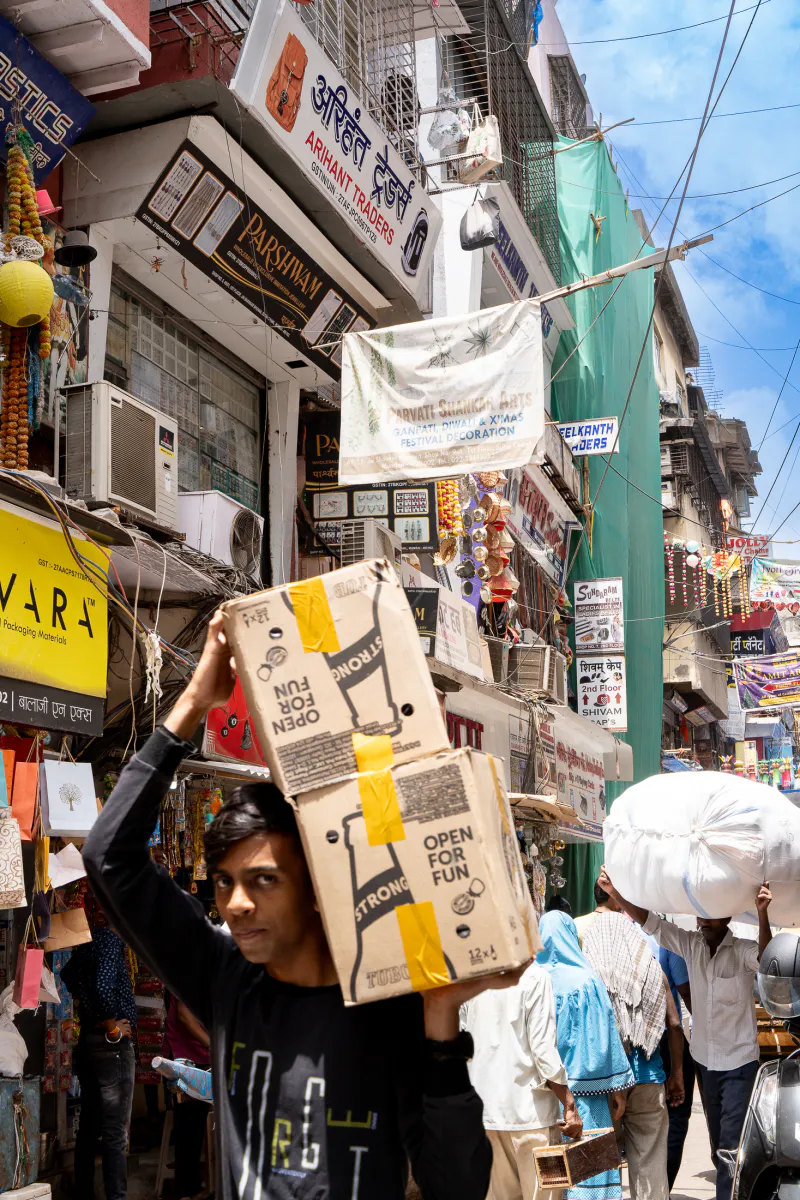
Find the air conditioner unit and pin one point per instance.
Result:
(369, 539)
(539, 670)
(120, 450)
(668, 496)
(223, 529)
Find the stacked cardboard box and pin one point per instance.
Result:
(411, 845)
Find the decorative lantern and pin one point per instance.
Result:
(26, 293)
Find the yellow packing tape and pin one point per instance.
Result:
(381, 808)
(314, 617)
(422, 945)
(373, 753)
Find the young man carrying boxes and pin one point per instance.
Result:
(315, 1097)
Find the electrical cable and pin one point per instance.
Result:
(752, 208)
(635, 37)
(689, 167)
(746, 112)
(735, 346)
(725, 318)
(764, 291)
(696, 196)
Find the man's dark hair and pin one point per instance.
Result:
(558, 904)
(600, 897)
(252, 808)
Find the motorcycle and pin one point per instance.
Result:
(766, 1165)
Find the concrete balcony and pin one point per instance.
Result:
(698, 680)
(99, 45)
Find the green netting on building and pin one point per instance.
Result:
(628, 526)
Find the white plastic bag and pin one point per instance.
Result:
(13, 1050)
(480, 224)
(702, 843)
(483, 147)
(451, 125)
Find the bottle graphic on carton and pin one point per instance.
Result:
(360, 670)
(379, 887)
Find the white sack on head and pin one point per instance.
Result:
(702, 844)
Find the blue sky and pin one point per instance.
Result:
(668, 77)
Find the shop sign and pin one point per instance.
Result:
(448, 628)
(585, 438)
(434, 399)
(199, 211)
(747, 644)
(580, 774)
(409, 511)
(599, 616)
(733, 727)
(515, 274)
(540, 520)
(54, 621)
(769, 682)
(229, 732)
(775, 585)
(602, 695)
(294, 90)
(748, 545)
(35, 94)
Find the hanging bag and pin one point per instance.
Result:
(69, 803)
(25, 793)
(480, 224)
(484, 151)
(12, 878)
(451, 124)
(28, 976)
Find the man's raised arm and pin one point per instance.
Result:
(163, 924)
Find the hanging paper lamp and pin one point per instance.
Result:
(692, 547)
(26, 293)
(692, 560)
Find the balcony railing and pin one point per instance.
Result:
(489, 65)
(370, 41)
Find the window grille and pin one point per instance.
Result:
(372, 43)
(567, 98)
(489, 64)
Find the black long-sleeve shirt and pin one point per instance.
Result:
(314, 1100)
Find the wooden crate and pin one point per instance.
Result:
(570, 1163)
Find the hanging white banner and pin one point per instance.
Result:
(433, 399)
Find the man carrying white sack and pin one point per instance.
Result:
(724, 1043)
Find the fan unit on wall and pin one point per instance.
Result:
(122, 451)
(539, 670)
(223, 529)
(369, 539)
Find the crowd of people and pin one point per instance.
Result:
(458, 1085)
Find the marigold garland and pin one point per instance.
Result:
(21, 374)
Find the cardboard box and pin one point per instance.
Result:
(418, 875)
(329, 664)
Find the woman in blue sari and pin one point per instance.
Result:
(588, 1042)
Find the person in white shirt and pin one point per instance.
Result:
(724, 1042)
(518, 1074)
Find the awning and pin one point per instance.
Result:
(764, 726)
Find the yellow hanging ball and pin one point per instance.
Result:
(26, 293)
